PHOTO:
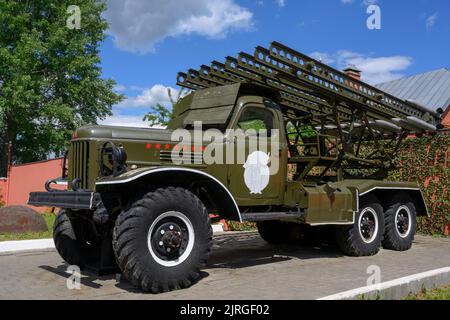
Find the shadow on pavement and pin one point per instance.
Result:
(87, 278)
(243, 250)
(231, 250)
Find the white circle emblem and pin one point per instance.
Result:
(257, 172)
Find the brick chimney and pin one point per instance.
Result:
(353, 72)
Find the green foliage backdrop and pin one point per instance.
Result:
(426, 160)
(50, 76)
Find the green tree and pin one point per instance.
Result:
(160, 115)
(50, 77)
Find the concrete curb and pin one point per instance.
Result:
(7, 247)
(397, 289)
(217, 228)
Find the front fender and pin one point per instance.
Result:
(217, 191)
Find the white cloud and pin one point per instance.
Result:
(149, 97)
(374, 69)
(369, 2)
(281, 3)
(137, 25)
(364, 2)
(124, 121)
(431, 20)
(119, 88)
(323, 57)
(136, 88)
(142, 102)
(127, 121)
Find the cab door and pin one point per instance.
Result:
(256, 177)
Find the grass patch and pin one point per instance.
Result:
(435, 294)
(437, 235)
(49, 219)
(244, 226)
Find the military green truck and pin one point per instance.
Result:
(130, 206)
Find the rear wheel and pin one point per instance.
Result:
(400, 224)
(163, 240)
(363, 238)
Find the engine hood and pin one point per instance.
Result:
(116, 132)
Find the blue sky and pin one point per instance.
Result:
(149, 41)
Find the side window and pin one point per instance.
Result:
(256, 118)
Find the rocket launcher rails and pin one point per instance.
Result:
(309, 88)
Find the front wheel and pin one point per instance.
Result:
(163, 240)
(73, 239)
(363, 238)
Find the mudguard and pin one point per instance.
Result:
(336, 203)
(222, 197)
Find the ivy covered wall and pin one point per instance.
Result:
(426, 160)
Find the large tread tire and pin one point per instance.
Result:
(132, 251)
(350, 239)
(68, 246)
(392, 238)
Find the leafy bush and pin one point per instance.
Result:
(426, 161)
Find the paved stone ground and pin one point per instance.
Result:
(242, 266)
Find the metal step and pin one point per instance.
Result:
(266, 216)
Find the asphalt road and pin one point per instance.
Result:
(242, 266)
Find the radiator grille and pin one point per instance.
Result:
(79, 162)
(166, 156)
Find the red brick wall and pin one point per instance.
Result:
(31, 177)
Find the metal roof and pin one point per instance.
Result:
(431, 89)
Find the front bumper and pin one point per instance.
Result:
(65, 199)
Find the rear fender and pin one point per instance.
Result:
(386, 194)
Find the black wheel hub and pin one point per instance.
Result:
(402, 222)
(169, 238)
(367, 226)
(367, 229)
(172, 239)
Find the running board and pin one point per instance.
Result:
(266, 216)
